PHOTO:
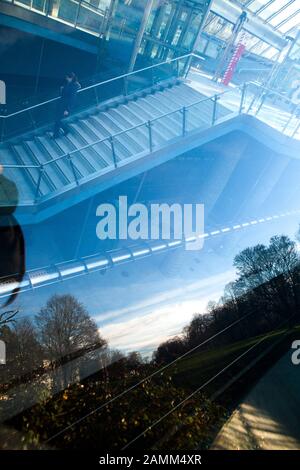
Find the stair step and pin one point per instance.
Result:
(201, 111)
(51, 147)
(24, 158)
(113, 128)
(193, 113)
(46, 175)
(96, 153)
(79, 161)
(19, 176)
(140, 135)
(131, 115)
(174, 119)
(52, 171)
(77, 141)
(120, 146)
(192, 121)
(161, 134)
(101, 132)
(116, 126)
(92, 135)
(206, 106)
(136, 120)
(163, 124)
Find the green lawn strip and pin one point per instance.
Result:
(195, 370)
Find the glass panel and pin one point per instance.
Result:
(90, 18)
(193, 118)
(23, 2)
(200, 115)
(259, 47)
(67, 10)
(212, 50)
(228, 103)
(273, 8)
(292, 25)
(158, 140)
(285, 14)
(270, 53)
(95, 95)
(202, 45)
(39, 5)
(257, 4)
(218, 27)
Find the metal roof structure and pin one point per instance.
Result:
(281, 16)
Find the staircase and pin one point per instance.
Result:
(99, 135)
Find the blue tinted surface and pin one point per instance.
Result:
(241, 184)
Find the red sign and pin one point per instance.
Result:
(239, 51)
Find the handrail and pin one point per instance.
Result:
(146, 122)
(124, 131)
(270, 90)
(99, 141)
(119, 77)
(215, 97)
(12, 165)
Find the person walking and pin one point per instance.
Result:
(66, 103)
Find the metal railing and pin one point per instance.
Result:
(110, 142)
(36, 116)
(248, 98)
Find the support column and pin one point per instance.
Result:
(139, 37)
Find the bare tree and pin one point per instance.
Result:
(196, 329)
(66, 333)
(24, 353)
(169, 350)
(271, 273)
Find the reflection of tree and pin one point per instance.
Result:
(63, 340)
(66, 331)
(169, 350)
(267, 287)
(272, 273)
(23, 349)
(24, 353)
(62, 332)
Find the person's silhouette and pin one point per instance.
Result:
(66, 103)
(12, 246)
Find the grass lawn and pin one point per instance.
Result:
(193, 371)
